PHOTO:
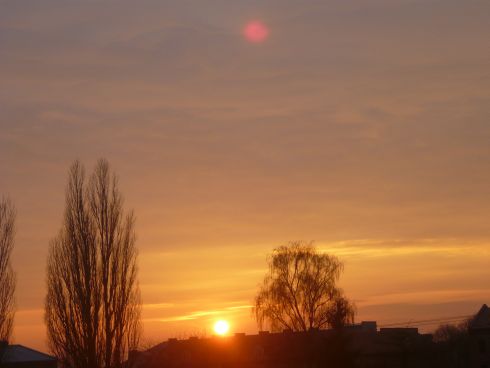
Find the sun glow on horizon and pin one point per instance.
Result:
(221, 327)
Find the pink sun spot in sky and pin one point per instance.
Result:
(256, 31)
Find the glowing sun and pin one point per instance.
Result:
(221, 328)
(256, 31)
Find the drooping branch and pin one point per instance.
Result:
(300, 291)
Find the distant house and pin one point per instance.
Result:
(479, 331)
(19, 356)
(361, 345)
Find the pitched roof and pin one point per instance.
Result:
(20, 353)
(481, 319)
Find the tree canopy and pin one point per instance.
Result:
(300, 291)
(92, 308)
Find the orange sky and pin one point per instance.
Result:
(362, 125)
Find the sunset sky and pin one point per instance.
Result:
(363, 125)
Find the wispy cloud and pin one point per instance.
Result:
(158, 305)
(431, 296)
(199, 314)
(401, 247)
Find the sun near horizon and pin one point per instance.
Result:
(221, 327)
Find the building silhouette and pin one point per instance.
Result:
(479, 337)
(19, 356)
(361, 345)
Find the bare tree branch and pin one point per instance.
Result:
(300, 292)
(7, 276)
(92, 308)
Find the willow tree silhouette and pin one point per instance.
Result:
(92, 307)
(300, 291)
(7, 276)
